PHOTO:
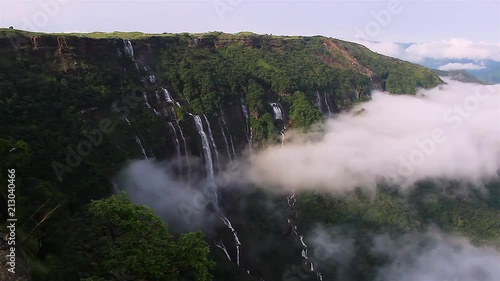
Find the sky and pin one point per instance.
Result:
(396, 21)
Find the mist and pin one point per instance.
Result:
(331, 246)
(182, 206)
(448, 132)
(435, 256)
(430, 255)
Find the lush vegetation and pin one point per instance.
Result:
(116, 239)
(459, 75)
(399, 76)
(360, 216)
(55, 91)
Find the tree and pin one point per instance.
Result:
(302, 113)
(118, 240)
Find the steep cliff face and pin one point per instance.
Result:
(84, 105)
(163, 71)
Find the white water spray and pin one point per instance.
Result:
(278, 114)
(168, 96)
(205, 147)
(212, 142)
(128, 49)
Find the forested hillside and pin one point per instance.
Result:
(75, 108)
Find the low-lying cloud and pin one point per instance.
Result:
(418, 256)
(435, 257)
(180, 204)
(449, 132)
(331, 246)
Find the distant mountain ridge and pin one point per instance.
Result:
(487, 71)
(459, 75)
(481, 60)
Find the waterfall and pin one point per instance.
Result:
(126, 119)
(327, 105)
(151, 78)
(168, 97)
(212, 143)
(224, 136)
(205, 146)
(177, 145)
(157, 97)
(244, 109)
(231, 141)
(128, 49)
(221, 245)
(138, 141)
(318, 102)
(236, 239)
(185, 151)
(278, 114)
(232, 145)
(144, 95)
(291, 205)
(146, 99)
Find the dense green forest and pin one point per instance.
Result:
(58, 91)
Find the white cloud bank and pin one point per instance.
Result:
(449, 132)
(456, 66)
(426, 256)
(446, 49)
(435, 257)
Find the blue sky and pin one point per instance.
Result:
(416, 21)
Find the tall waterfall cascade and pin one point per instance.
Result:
(278, 114)
(207, 153)
(213, 147)
(138, 140)
(223, 128)
(208, 147)
(327, 105)
(292, 199)
(146, 99)
(128, 49)
(177, 144)
(220, 244)
(157, 97)
(168, 96)
(244, 109)
(186, 154)
(318, 101)
(236, 239)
